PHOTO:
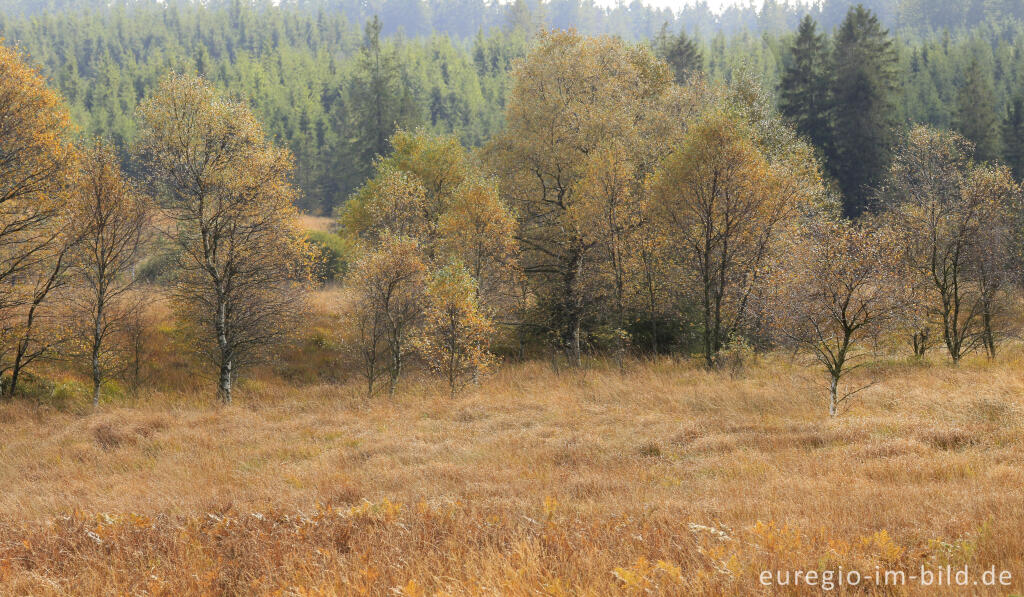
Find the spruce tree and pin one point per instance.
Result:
(804, 85)
(375, 94)
(976, 117)
(863, 106)
(379, 102)
(1013, 137)
(680, 52)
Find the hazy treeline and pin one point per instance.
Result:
(630, 20)
(325, 88)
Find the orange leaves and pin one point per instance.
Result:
(111, 223)
(34, 136)
(390, 287)
(439, 162)
(611, 204)
(838, 285)
(643, 577)
(586, 119)
(479, 230)
(883, 547)
(411, 589)
(384, 511)
(397, 205)
(410, 191)
(956, 222)
(211, 157)
(37, 169)
(37, 160)
(776, 539)
(716, 173)
(392, 276)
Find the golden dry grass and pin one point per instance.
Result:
(316, 223)
(667, 479)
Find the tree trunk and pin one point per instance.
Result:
(654, 335)
(989, 336)
(19, 354)
(709, 355)
(97, 374)
(396, 366)
(15, 373)
(573, 308)
(575, 352)
(708, 335)
(136, 353)
(19, 358)
(95, 379)
(833, 398)
(224, 385)
(920, 340)
(371, 372)
(620, 306)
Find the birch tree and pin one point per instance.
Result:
(113, 219)
(946, 210)
(456, 331)
(37, 165)
(224, 189)
(724, 206)
(390, 293)
(838, 285)
(569, 96)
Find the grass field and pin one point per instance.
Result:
(665, 479)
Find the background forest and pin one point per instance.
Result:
(333, 80)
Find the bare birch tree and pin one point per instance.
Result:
(947, 211)
(838, 286)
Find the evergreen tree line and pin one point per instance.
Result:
(851, 93)
(334, 91)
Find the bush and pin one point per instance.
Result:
(62, 396)
(157, 268)
(66, 395)
(735, 355)
(330, 255)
